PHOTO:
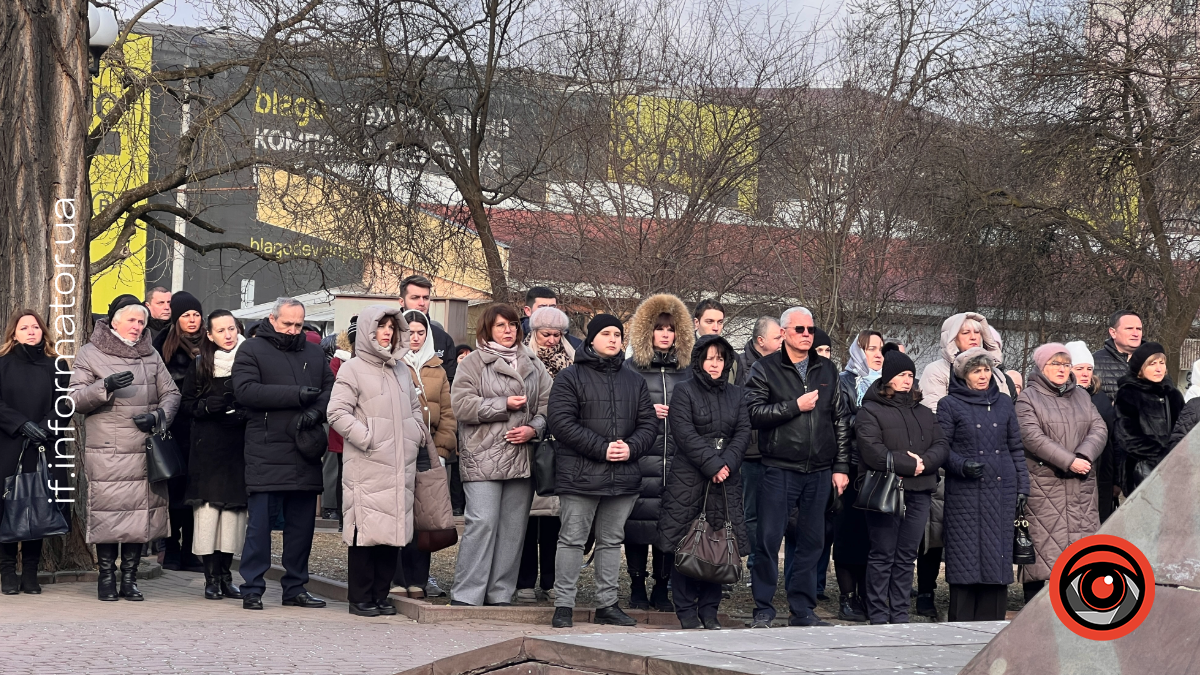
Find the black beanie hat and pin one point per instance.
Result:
(599, 323)
(119, 302)
(1142, 354)
(181, 302)
(352, 330)
(894, 363)
(821, 339)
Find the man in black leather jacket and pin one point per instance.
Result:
(803, 424)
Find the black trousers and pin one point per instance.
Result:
(369, 571)
(299, 520)
(637, 555)
(1031, 588)
(693, 597)
(978, 602)
(894, 543)
(413, 566)
(929, 566)
(458, 498)
(541, 545)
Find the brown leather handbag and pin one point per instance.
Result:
(708, 553)
(433, 517)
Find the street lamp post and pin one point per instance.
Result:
(102, 33)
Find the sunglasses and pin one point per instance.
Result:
(811, 330)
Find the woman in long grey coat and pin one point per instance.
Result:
(375, 407)
(123, 387)
(1063, 435)
(499, 398)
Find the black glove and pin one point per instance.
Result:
(308, 395)
(972, 469)
(1022, 500)
(118, 381)
(308, 419)
(215, 404)
(34, 431)
(145, 421)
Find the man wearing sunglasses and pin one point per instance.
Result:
(803, 424)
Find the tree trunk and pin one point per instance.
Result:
(45, 201)
(491, 250)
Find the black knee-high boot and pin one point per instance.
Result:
(212, 574)
(10, 583)
(106, 563)
(228, 589)
(31, 557)
(131, 555)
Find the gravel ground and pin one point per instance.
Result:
(328, 560)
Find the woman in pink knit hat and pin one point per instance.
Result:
(1063, 435)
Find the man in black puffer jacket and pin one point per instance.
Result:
(803, 424)
(1112, 360)
(602, 419)
(282, 381)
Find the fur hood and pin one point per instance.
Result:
(641, 329)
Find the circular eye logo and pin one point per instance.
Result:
(1102, 587)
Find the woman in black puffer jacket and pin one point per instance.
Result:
(178, 346)
(891, 422)
(661, 338)
(711, 427)
(602, 420)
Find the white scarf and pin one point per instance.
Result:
(419, 358)
(223, 360)
(128, 343)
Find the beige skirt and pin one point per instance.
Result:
(218, 530)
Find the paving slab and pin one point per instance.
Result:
(826, 660)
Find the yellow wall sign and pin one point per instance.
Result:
(122, 162)
(660, 140)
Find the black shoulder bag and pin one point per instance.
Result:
(882, 491)
(29, 509)
(163, 457)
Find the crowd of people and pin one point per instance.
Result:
(654, 425)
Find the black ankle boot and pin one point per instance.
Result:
(212, 584)
(106, 564)
(637, 593)
(131, 555)
(10, 583)
(659, 599)
(228, 589)
(847, 611)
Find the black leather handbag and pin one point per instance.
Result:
(29, 508)
(1023, 553)
(707, 553)
(882, 491)
(164, 459)
(544, 467)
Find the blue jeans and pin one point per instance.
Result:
(299, 521)
(779, 491)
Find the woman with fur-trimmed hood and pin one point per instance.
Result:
(661, 339)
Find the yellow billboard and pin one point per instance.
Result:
(701, 149)
(121, 162)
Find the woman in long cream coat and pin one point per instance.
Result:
(375, 408)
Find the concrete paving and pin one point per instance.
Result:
(175, 630)
(914, 649)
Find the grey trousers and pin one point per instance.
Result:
(577, 514)
(489, 555)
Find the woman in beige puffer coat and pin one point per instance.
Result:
(499, 396)
(1063, 435)
(123, 387)
(375, 408)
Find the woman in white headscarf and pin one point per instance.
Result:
(850, 542)
(433, 390)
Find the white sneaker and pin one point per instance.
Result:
(527, 595)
